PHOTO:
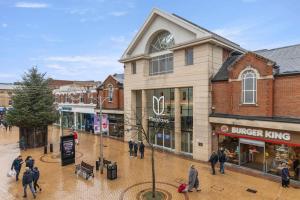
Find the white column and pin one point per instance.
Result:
(144, 111)
(75, 120)
(177, 121)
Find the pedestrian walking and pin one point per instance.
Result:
(36, 176)
(135, 149)
(142, 149)
(285, 176)
(29, 162)
(130, 144)
(296, 167)
(17, 165)
(75, 136)
(193, 179)
(5, 125)
(222, 160)
(213, 161)
(27, 182)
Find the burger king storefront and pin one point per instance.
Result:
(258, 148)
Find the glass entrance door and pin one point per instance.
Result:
(252, 154)
(187, 142)
(163, 138)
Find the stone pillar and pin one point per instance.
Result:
(177, 121)
(144, 112)
(75, 120)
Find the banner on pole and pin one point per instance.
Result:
(96, 123)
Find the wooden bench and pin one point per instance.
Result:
(85, 170)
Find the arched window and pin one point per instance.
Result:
(249, 87)
(161, 42)
(110, 92)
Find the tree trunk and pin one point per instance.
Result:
(153, 173)
(33, 137)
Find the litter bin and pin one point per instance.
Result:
(112, 171)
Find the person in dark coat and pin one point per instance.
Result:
(213, 161)
(135, 149)
(29, 162)
(17, 165)
(36, 176)
(130, 143)
(296, 167)
(193, 179)
(285, 176)
(27, 181)
(142, 149)
(222, 160)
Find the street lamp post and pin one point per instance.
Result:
(101, 101)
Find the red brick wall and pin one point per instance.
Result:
(118, 97)
(221, 96)
(227, 95)
(287, 96)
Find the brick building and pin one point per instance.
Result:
(79, 101)
(256, 109)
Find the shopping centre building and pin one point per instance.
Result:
(168, 67)
(213, 94)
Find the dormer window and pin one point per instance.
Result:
(249, 87)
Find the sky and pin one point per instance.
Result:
(84, 39)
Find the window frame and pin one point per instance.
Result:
(110, 90)
(254, 86)
(167, 59)
(133, 67)
(186, 55)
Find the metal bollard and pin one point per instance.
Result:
(97, 165)
(51, 148)
(45, 149)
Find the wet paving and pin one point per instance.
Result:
(134, 175)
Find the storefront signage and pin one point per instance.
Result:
(66, 108)
(156, 105)
(67, 149)
(267, 134)
(158, 120)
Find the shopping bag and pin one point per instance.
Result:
(11, 173)
(182, 188)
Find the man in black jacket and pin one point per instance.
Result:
(135, 149)
(36, 176)
(213, 161)
(17, 165)
(142, 149)
(130, 144)
(222, 160)
(27, 181)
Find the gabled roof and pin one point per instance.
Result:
(287, 58)
(201, 33)
(118, 77)
(154, 13)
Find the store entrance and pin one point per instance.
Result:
(252, 154)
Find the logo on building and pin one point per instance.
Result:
(156, 105)
(224, 129)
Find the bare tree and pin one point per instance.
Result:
(136, 128)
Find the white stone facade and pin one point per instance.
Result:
(207, 58)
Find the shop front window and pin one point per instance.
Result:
(186, 111)
(278, 154)
(231, 148)
(161, 133)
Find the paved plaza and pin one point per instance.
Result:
(134, 175)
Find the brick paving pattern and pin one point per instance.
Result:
(61, 182)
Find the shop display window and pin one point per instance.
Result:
(278, 154)
(231, 147)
